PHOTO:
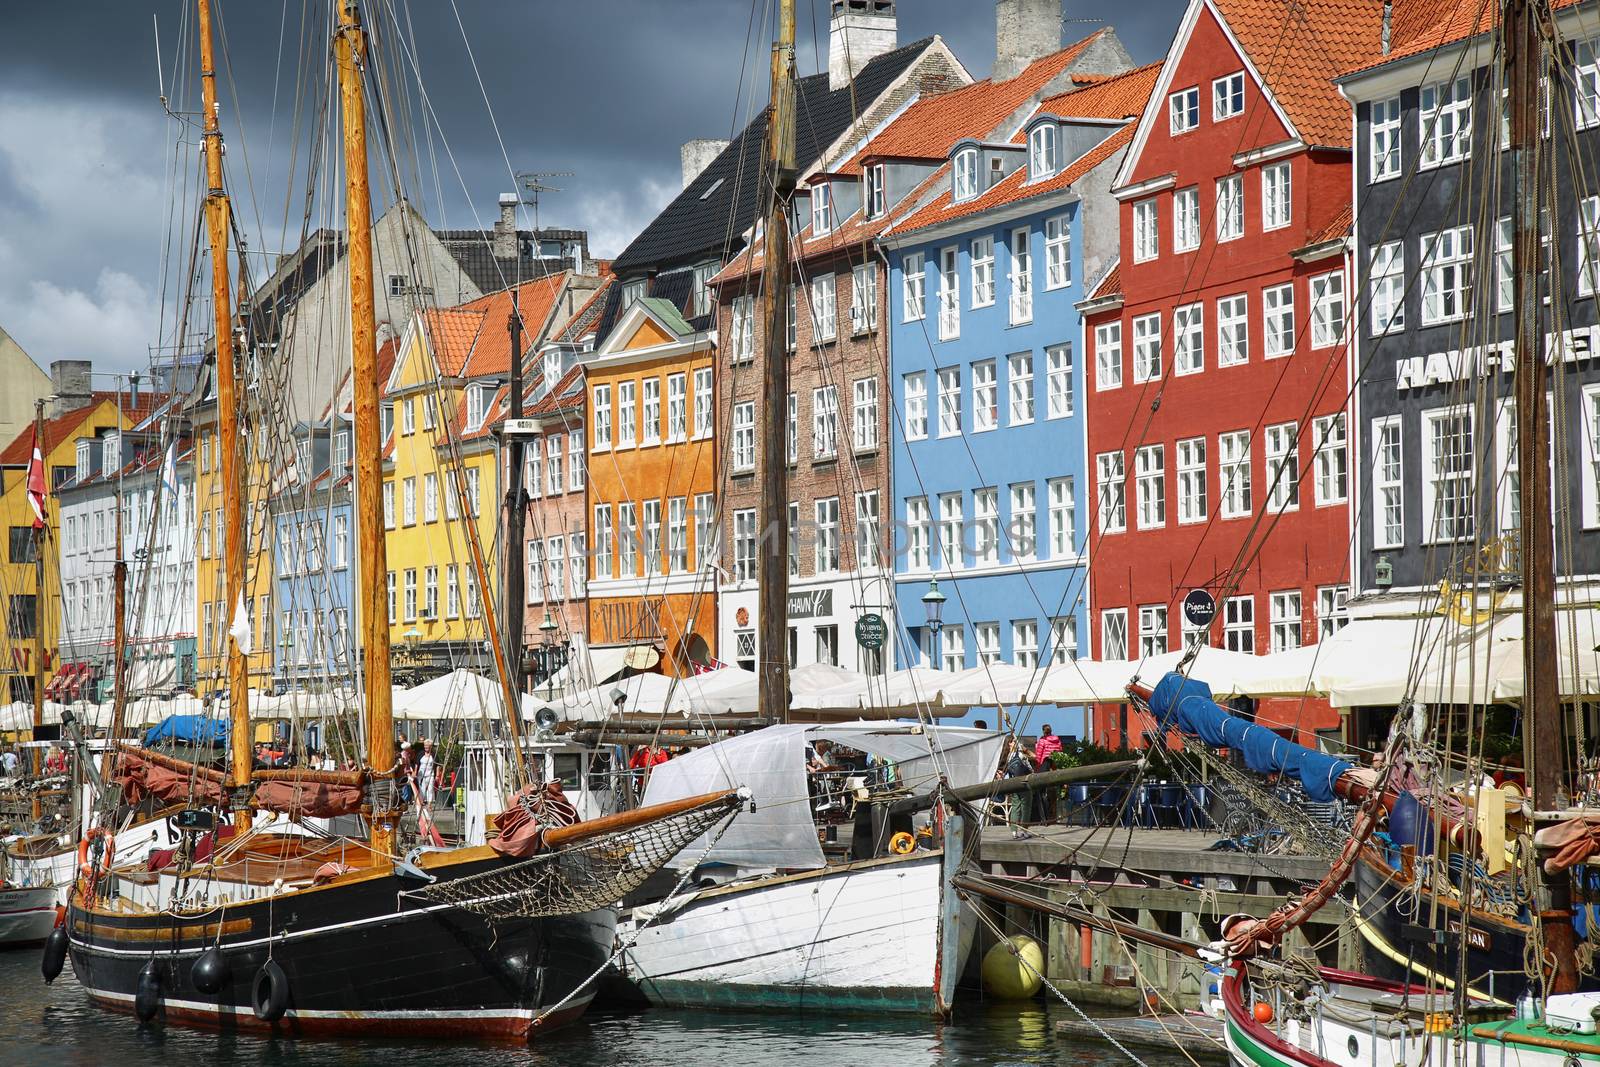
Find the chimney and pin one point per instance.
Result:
(697, 155)
(1024, 30)
(70, 382)
(858, 32)
(505, 230)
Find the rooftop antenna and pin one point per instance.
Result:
(533, 181)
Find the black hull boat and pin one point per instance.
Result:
(1401, 950)
(349, 958)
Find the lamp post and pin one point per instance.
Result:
(933, 608)
(551, 652)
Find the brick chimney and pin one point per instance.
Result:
(858, 32)
(505, 230)
(70, 381)
(695, 156)
(1024, 30)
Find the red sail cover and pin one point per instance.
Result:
(300, 799)
(532, 810)
(140, 778)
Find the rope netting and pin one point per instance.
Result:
(596, 873)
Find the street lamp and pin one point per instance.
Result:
(551, 652)
(933, 608)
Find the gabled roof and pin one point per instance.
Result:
(1110, 283)
(1337, 227)
(567, 394)
(1298, 47)
(586, 318)
(63, 427)
(928, 128)
(451, 334)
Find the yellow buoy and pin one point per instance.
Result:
(1011, 969)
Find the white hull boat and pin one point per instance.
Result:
(27, 914)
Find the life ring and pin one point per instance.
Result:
(902, 844)
(108, 853)
(270, 997)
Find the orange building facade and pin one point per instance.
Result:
(650, 424)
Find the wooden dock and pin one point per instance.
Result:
(1160, 879)
(1198, 1035)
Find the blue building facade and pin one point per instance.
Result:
(988, 384)
(313, 529)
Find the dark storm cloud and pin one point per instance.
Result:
(607, 89)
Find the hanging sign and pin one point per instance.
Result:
(871, 630)
(1199, 607)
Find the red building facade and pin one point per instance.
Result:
(1218, 376)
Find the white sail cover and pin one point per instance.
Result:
(779, 832)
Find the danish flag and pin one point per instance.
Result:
(36, 482)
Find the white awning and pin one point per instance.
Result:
(589, 666)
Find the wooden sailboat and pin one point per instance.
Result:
(336, 935)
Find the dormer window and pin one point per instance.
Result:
(632, 291)
(85, 459)
(341, 453)
(702, 288)
(477, 404)
(966, 174)
(821, 209)
(111, 460)
(552, 369)
(1041, 152)
(876, 202)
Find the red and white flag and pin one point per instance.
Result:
(36, 482)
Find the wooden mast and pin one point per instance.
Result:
(1544, 734)
(231, 473)
(350, 47)
(779, 168)
(39, 531)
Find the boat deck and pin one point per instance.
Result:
(1170, 851)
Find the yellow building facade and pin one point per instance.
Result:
(652, 521)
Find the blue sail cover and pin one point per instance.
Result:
(1185, 704)
(191, 729)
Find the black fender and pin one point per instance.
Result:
(147, 997)
(270, 996)
(55, 954)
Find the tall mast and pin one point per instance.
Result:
(1544, 733)
(38, 614)
(774, 595)
(350, 47)
(119, 634)
(515, 510)
(217, 227)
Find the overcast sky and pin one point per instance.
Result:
(607, 89)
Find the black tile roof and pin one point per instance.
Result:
(695, 227)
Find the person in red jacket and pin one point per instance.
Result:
(1047, 745)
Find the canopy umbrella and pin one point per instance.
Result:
(642, 694)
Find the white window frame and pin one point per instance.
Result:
(1239, 624)
(1114, 633)
(1020, 389)
(949, 384)
(1189, 339)
(1146, 230)
(1108, 356)
(1186, 219)
(677, 408)
(1058, 252)
(821, 209)
(1227, 96)
(1444, 122)
(1333, 610)
(986, 526)
(704, 404)
(1388, 483)
(1230, 208)
(864, 414)
(1147, 347)
(1021, 276)
(1277, 196)
(1327, 309)
(1111, 492)
(1387, 288)
(1042, 153)
(601, 419)
(985, 395)
(650, 411)
(1150, 485)
(1155, 636)
(1191, 467)
(1277, 321)
(1061, 498)
(1331, 439)
(824, 308)
(949, 293)
(980, 264)
(1433, 479)
(744, 436)
(627, 414)
(964, 175)
(1234, 475)
(919, 534)
(825, 422)
(863, 298)
(825, 540)
(1022, 528)
(1383, 139)
(1286, 622)
(913, 287)
(914, 389)
(1060, 396)
(1281, 443)
(1447, 281)
(1233, 330)
(1183, 110)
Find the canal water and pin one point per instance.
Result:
(55, 1026)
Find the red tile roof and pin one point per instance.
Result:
(1120, 97)
(1337, 227)
(491, 354)
(1422, 25)
(928, 128)
(567, 394)
(59, 428)
(1110, 285)
(1299, 47)
(451, 334)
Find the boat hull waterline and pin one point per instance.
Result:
(27, 914)
(865, 937)
(357, 959)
